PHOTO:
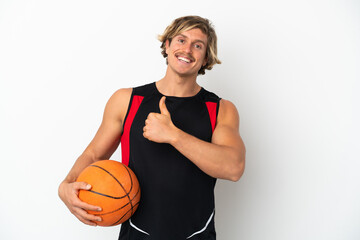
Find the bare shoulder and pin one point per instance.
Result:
(118, 103)
(226, 105)
(121, 95)
(228, 113)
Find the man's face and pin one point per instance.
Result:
(186, 52)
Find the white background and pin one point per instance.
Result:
(290, 67)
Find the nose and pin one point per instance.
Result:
(187, 48)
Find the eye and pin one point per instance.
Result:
(181, 40)
(198, 46)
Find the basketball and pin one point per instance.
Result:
(115, 189)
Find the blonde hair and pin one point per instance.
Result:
(186, 23)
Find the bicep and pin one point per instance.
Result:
(107, 138)
(226, 132)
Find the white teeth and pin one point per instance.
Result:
(184, 59)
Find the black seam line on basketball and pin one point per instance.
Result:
(123, 215)
(127, 194)
(102, 194)
(115, 223)
(102, 214)
(132, 207)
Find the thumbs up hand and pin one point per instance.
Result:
(163, 108)
(159, 127)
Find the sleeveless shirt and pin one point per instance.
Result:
(177, 198)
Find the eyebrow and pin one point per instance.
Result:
(197, 40)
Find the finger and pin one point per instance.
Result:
(150, 115)
(87, 221)
(162, 106)
(146, 136)
(87, 216)
(84, 220)
(86, 206)
(76, 202)
(81, 185)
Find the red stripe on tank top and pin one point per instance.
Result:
(125, 137)
(211, 106)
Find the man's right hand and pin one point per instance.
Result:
(68, 192)
(103, 145)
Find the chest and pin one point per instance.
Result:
(189, 115)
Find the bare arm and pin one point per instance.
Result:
(223, 157)
(101, 147)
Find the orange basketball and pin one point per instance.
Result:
(115, 189)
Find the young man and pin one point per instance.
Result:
(176, 136)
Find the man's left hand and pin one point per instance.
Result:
(158, 126)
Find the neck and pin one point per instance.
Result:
(178, 86)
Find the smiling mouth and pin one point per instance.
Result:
(184, 59)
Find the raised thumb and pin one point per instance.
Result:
(162, 106)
